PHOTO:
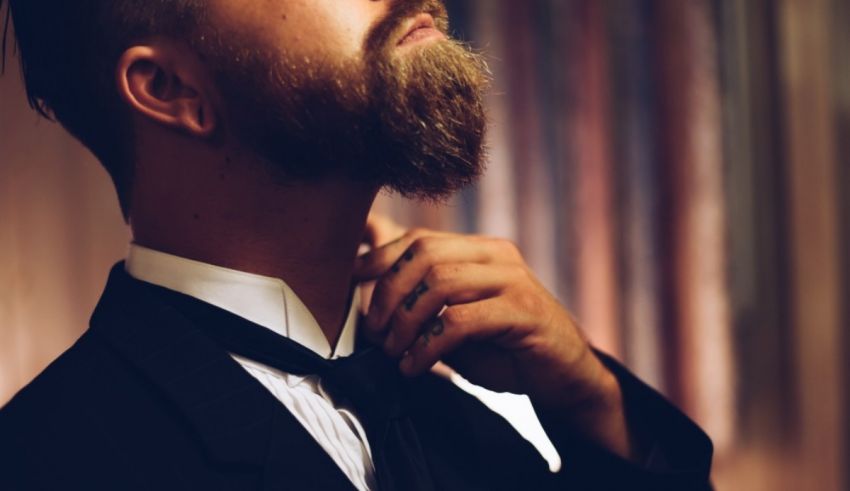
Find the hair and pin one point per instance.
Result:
(68, 52)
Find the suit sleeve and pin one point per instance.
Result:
(676, 453)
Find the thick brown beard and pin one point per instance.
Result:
(432, 120)
(412, 123)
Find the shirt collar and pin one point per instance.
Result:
(263, 300)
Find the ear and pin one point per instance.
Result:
(166, 84)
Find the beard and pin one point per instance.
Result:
(413, 123)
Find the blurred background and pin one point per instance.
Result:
(677, 171)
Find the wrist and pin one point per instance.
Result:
(595, 412)
(589, 389)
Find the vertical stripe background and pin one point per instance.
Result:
(675, 171)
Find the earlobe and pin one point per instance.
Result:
(164, 85)
(196, 118)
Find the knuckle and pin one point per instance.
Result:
(529, 302)
(417, 246)
(455, 318)
(441, 274)
(417, 232)
(511, 249)
(424, 248)
(505, 249)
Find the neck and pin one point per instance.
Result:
(305, 234)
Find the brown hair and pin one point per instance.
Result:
(68, 52)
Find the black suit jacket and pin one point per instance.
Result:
(145, 401)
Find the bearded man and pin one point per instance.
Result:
(247, 140)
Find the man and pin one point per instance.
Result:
(247, 140)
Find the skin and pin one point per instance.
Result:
(199, 193)
(474, 302)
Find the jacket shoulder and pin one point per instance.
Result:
(55, 387)
(50, 428)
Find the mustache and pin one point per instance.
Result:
(385, 29)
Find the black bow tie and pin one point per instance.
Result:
(368, 379)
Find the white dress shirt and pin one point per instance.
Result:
(269, 302)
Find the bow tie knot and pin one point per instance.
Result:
(368, 379)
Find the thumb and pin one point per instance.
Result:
(381, 230)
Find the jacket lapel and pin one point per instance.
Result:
(236, 419)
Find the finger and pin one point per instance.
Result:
(379, 260)
(366, 290)
(415, 262)
(488, 319)
(381, 230)
(445, 284)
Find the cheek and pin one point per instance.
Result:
(342, 26)
(306, 28)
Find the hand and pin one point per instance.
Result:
(379, 232)
(473, 302)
